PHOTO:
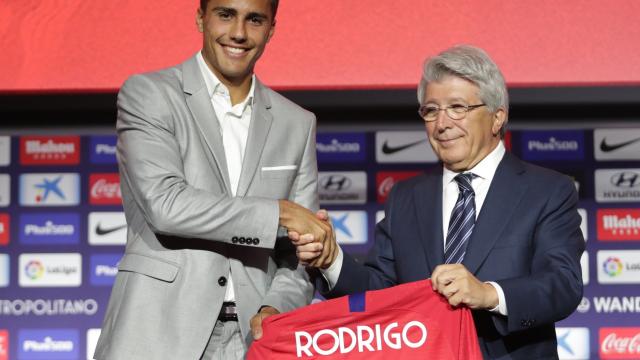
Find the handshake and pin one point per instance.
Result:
(312, 234)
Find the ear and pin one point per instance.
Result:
(271, 31)
(200, 20)
(499, 119)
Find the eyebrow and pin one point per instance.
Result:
(251, 15)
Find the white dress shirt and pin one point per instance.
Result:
(234, 124)
(484, 170)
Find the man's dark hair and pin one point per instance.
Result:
(274, 7)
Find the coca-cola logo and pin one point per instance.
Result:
(619, 343)
(387, 179)
(105, 189)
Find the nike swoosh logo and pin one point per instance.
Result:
(104, 231)
(386, 149)
(608, 147)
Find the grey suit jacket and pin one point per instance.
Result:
(185, 230)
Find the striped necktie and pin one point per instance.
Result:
(463, 219)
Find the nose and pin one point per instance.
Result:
(238, 31)
(442, 119)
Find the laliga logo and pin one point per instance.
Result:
(104, 189)
(34, 269)
(364, 337)
(612, 266)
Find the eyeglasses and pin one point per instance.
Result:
(456, 111)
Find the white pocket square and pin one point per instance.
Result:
(279, 168)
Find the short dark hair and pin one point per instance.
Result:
(274, 7)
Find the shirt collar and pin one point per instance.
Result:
(215, 86)
(485, 169)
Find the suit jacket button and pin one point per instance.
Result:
(256, 241)
(241, 240)
(222, 281)
(234, 239)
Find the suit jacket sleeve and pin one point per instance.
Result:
(553, 288)
(151, 164)
(378, 271)
(291, 287)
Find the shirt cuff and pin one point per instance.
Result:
(332, 273)
(502, 302)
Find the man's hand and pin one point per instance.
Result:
(459, 286)
(312, 253)
(301, 220)
(256, 320)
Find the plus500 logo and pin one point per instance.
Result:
(328, 341)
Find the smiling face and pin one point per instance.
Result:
(235, 33)
(461, 144)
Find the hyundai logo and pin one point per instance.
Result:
(335, 182)
(626, 179)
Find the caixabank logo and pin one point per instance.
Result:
(50, 228)
(48, 344)
(50, 150)
(553, 145)
(341, 147)
(346, 187)
(617, 185)
(573, 343)
(618, 224)
(50, 270)
(618, 266)
(350, 227)
(104, 189)
(50, 189)
(619, 343)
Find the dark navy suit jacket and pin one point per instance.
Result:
(527, 238)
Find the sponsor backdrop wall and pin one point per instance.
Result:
(62, 229)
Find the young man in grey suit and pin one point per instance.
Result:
(214, 168)
(493, 233)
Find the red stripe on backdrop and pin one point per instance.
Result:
(72, 45)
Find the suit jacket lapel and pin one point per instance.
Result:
(428, 198)
(199, 103)
(504, 194)
(261, 120)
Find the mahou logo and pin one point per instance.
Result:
(386, 179)
(620, 343)
(618, 224)
(50, 150)
(104, 189)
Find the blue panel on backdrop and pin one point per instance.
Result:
(341, 147)
(553, 145)
(104, 268)
(50, 228)
(48, 344)
(103, 149)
